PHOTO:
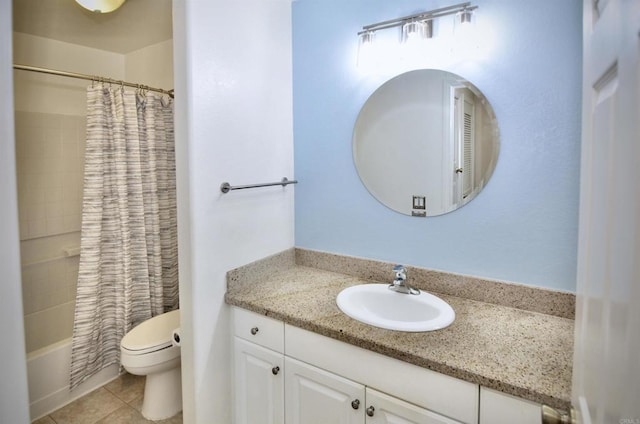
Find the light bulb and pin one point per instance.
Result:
(413, 32)
(415, 43)
(366, 50)
(465, 40)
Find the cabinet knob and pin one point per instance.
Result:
(275, 370)
(255, 330)
(370, 411)
(355, 404)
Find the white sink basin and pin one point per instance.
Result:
(376, 305)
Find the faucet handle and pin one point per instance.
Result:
(401, 272)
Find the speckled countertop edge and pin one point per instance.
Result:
(522, 353)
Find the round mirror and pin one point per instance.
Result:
(426, 142)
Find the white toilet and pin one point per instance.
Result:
(148, 349)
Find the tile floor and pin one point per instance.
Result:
(118, 402)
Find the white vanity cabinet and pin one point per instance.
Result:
(258, 369)
(287, 375)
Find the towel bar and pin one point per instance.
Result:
(226, 187)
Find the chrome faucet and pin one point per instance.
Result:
(400, 283)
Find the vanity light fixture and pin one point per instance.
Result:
(418, 27)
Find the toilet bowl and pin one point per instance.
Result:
(148, 350)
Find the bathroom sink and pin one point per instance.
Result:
(376, 305)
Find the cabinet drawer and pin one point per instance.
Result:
(259, 329)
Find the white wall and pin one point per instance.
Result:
(13, 384)
(233, 123)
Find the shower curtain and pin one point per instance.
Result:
(128, 249)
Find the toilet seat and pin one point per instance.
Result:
(146, 351)
(152, 335)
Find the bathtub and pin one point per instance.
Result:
(48, 374)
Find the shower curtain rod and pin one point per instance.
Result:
(91, 78)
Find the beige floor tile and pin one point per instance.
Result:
(136, 403)
(177, 419)
(44, 420)
(88, 409)
(124, 415)
(127, 387)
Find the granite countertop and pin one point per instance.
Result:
(522, 353)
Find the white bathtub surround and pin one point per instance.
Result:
(48, 377)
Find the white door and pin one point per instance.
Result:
(259, 384)
(385, 409)
(464, 124)
(606, 373)
(315, 396)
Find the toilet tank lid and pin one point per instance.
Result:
(152, 332)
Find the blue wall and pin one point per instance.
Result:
(523, 226)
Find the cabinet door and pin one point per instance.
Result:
(384, 409)
(315, 396)
(259, 384)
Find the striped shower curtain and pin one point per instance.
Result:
(128, 249)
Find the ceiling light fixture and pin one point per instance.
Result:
(100, 6)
